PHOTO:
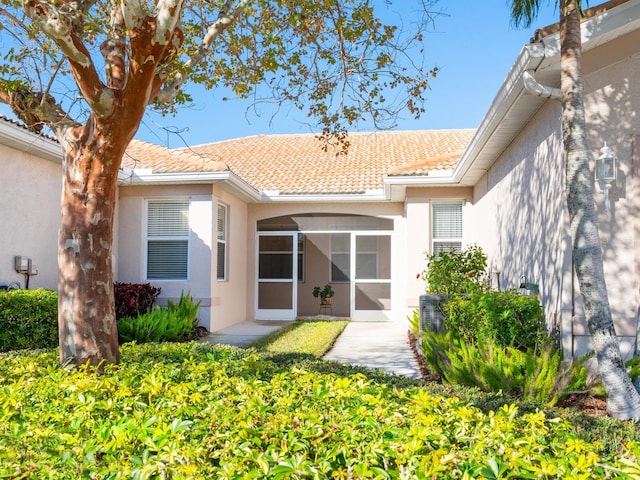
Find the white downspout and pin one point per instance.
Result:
(532, 86)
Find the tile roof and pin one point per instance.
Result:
(297, 164)
(143, 155)
(21, 124)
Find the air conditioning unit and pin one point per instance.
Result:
(432, 312)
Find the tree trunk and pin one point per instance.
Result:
(86, 310)
(623, 401)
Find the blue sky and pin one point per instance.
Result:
(473, 44)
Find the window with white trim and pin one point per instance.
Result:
(446, 226)
(168, 239)
(222, 253)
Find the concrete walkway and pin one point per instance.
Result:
(243, 334)
(379, 345)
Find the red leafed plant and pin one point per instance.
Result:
(134, 299)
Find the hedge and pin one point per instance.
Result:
(28, 319)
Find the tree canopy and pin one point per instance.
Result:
(334, 59)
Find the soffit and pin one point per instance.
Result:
(513, 107)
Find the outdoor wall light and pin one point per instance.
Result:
(496, 270)
(606, 173)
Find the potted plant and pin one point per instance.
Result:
(325, 294)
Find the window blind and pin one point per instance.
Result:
(167, 239)
(446, 226)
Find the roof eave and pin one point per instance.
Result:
(395, 186)
(234, 183)
(495, 134)
(368, 196)
(18, 137)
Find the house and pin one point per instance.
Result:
(251, 225)
(271, 217)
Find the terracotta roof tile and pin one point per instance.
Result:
(19, 123)
(447, 161)
(143, 155)
(296, 164)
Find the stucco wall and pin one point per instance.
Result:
(30, 216)
(228, 297)
(131, 242)
(417, 236)
(519, 215)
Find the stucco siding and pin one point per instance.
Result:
(30, 216)
(417, 234)
(520, 217)
(228, 297)
(132, 238)
(611, 106)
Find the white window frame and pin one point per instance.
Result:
(182, 237)
(449, 239)
(222, 238)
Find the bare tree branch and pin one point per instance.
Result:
(114, 48)
(63, 24)
(132, 12)
(168, 17)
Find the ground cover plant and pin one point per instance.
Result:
(313, 337)
(203, 411)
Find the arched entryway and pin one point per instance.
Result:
(296, 253)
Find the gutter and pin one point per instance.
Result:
(147, 177)
(530, 58)
(532, 86)
(618, 19)
(367, 196)
(18, 137)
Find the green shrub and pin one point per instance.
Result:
(183, 411)
(452, 273)
(169, 324)
(506, 317)
(492, 367)
(28, 319)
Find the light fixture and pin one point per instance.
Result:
(496, 269)
(606, 173)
